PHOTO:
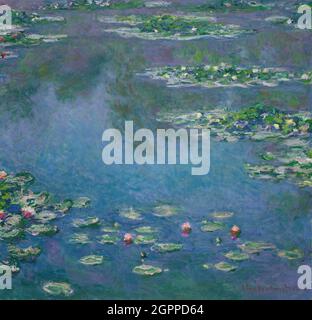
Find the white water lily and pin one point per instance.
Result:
(305, 76)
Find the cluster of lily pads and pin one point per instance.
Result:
(226, 75)
(23, 18)
(24, 214)
(175, 27)
(291, 159)
(105, 4)
(17, 35)
(146, 235)
(231, 5)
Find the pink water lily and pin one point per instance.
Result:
(235, 232)
(3, 175)
(128, 238)
(186, 227)
(28, 212)
(2, 215)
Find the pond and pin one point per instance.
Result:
(57, 98)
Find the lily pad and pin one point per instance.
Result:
(14, 221)
(225, 267)
(92, 260)
(45, 216)
(24, 253)
(79, 238)
(291, 254)
(114, 228)
(256, 247)
(64, 206)
(211, 226)
(223, 215)
(145, 239)
(165, 210)
(131, 214)
(237, 256)
(147, 270)
(22, 179)
(42, 229)
(108, 239)
(58, 288)
(82, 202)
(7, 234)
(167, 247)
(87, 222)
(146, 229)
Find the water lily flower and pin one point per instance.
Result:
(2, 215)
(28, 212)
(235, 232)
(305, 76)
(234, 78)
(128, 238)
(276, 126)
(186, 227)
(290, 122)
(2, 39)
(155, 30)
(3, 175)
(194, 29)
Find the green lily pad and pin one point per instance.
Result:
(45, 216)
(42, 229)
(87, 222)
(268, 156)
(14, 221)
(131, 214)
(7, 234)
(92, 260)
(22, 179)
(64, 206)
(256, 247)
(58, 288)
(166, 247)
(211, 226)
(223, 215)
(24, 253)
(108, 239)
(237, 256)
(225, 267)
(145, 229)
(165, 210)
(114, 228)
(82, 202)
(291, 254)
(147, 270)
(145, 239)
(79, 238)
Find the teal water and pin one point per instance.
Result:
(59, 98)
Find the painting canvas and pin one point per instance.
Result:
(155, 149)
